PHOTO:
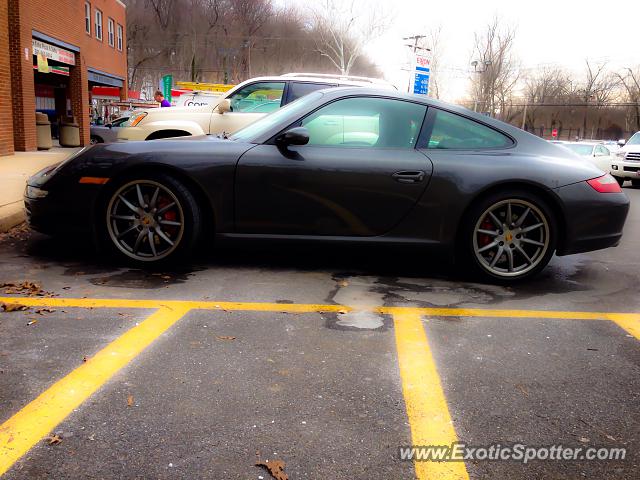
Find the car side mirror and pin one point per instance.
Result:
(293, 136)
(224, 106)
(621, 142)
(109, 125)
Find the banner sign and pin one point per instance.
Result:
(52, 52)
(167, 81)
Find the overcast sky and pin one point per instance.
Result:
(562, 32)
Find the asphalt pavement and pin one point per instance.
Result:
(327, 359)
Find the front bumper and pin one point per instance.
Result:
(62, 212)
(593, 220)
(625, 169)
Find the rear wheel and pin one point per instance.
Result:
(152, 219)
(509, 236)
(620, 180)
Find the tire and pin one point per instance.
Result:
(522, 251)
(620, 180)
(165, 230)
(95, 139)
(635, 183)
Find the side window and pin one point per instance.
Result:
(366, 122)
(118, 122)
(261, 97)
(451, 131)
(300, 89)
(601, 151)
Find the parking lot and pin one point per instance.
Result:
(327, 359)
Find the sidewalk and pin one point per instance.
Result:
(14, 171)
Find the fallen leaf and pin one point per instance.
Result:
(54, 439)
(130, 401)
(165, 277)
(32, 322)
(42, 311)
(275, 468)
(225, 337)
(343, 283)
(523, 390)
(13, 307)
(342, 311)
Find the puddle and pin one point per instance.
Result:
(361, 319)
(142, 279)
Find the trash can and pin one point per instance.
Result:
(69, 132)
(43, 131)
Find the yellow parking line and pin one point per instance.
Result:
(37, 419)
(312, 307)
(629, 322)
(424, 399)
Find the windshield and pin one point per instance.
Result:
(584, 150)
(635, 140)
(260, 127)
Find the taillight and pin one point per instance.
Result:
(605, 184)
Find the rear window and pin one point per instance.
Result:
(300, 89)
(455, 132)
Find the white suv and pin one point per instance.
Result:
(236, 108)
(626, 165)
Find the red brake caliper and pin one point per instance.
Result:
(483, 238)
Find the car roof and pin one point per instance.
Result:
(328, 79)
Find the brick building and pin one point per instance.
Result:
(53, 53)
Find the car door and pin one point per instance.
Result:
(602, 158)
(359, 175)
(251, 102)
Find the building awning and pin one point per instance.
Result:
(105, 78)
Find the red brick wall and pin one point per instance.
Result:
(6, 123)
(22, 90)
(62, 20)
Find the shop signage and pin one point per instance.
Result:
(52, 52)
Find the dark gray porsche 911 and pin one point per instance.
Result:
(344, 165)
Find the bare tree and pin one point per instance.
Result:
(630, 81)
(549, 85)
(493, 85)
(436, 46)
(342, 30)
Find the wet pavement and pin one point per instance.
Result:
(228, 385)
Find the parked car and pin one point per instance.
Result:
(594, 152)
(342, 165)
(108, 132)
(626, 164)
(243, 104)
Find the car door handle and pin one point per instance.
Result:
(413, 176)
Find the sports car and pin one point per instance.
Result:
(341, 165)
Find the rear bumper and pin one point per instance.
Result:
(593, 220)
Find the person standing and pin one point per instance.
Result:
(159, 97)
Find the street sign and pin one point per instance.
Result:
(420, 75)
(167, 82)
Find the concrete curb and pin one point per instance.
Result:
(11, 215)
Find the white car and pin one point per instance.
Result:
(626, 165)
(235, 109)
(595, 152)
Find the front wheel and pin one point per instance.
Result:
(509, 236)
(620, 180)
(152, 219)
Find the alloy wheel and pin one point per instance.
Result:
(511, 238)
(145, 220)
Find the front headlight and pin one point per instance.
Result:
(620, 154)
(35, 192)
(136, 118)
